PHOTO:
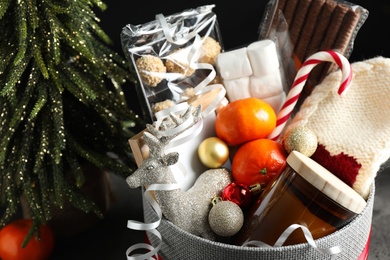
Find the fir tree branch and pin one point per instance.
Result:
(81, 202)
(55, 77)
(54, 26)
(21, 28)
(88, 155)
(13, 76)
(7, 216)
(42, 147)
(75, 168)
(11, 198)
(61, 105)
(4, 4)
(100, 4)
(38, 59)
(96, 158)
(59, 184)
(56, 132)
(32, 14)
(29, 186)
(81, 82)
(59, 7)
(45, 191)
(40, 102)
(11, 127)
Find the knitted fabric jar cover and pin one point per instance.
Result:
(353, 130)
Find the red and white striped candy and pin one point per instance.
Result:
(300, 80)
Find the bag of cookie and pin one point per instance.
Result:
(172, 57)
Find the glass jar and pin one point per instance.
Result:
(305, 193)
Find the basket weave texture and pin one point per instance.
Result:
(179, 244)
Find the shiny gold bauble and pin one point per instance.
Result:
(301, 139)
(213, 152)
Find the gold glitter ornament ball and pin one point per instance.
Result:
(301, 139)
(226, 218)
(213, 152)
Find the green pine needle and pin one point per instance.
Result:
(61, 106)
(4, 7)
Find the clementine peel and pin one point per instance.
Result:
(39, 247)
(244, 120)
(258, 162)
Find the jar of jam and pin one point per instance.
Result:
(305, 193)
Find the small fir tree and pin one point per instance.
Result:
(61, 105)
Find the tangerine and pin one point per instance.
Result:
(39, 247)
(258, 162)
(244, 120)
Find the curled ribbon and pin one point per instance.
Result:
(151, 227)
(183, 137)
(332, 252)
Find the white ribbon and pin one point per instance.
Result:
(332, 252)
(184, 137)
(151, 227)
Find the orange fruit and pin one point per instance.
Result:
(244, 120)
(258, 162)
(12, 236)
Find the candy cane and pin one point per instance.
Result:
(300, 80)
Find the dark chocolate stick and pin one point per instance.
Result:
(308, 28)
(281, 4)
(327, 43)
(289, 10)
(300, 16)
(347, 30)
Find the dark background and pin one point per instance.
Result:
(239, 22)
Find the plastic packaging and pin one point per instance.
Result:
(172, 57)
(303, 27)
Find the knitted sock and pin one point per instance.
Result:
(353, 130)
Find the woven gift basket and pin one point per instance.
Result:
(172, 242)
(179, 244)
(168, 241)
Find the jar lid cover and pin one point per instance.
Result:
(326, 182)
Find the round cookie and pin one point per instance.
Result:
(150, 69)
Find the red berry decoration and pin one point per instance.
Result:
(239, 194)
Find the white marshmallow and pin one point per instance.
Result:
(267, 85)
(237, 88)
(276, 101)
(234, 64)
(263, 57)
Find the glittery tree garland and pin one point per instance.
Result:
(61, 105)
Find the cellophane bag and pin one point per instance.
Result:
(302, 28)
(172, 58)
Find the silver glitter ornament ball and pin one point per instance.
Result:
(301, 139)
(226, 218)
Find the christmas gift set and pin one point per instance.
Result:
(266, 151)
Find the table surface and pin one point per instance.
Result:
(110, 237)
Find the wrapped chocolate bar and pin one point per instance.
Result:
(172, 57)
